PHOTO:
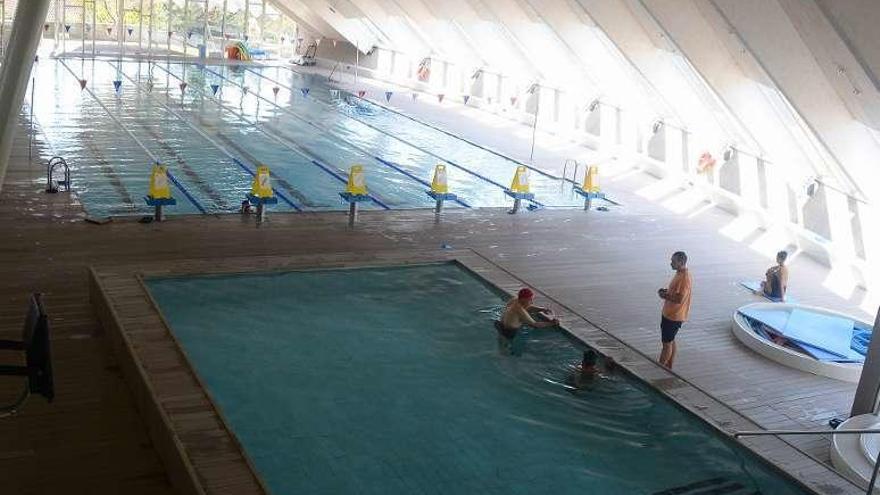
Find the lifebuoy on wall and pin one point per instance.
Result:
(424, 71)
(706, 163)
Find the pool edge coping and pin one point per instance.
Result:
(795, 465)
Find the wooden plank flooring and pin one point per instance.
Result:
(604, 266)
(202, 453)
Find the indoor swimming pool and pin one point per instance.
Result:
(392, 380)
(213, 125)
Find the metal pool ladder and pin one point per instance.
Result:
(570, 162)
(53, 185)
(333, 71)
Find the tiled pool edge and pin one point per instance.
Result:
(206, 457)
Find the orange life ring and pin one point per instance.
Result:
(424, 71)
(705, 163)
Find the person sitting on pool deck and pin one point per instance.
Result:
(519, 311)
(776, 282)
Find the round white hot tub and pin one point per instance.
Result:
(744, 331)
(854, 455)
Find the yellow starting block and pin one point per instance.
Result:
(591, 180)
(439, 191)
(159, 188)
(519, 188)
(357, 184)
(159, 194)
(590, 188)
(520, 183)
(355, 191)
(262, 193)
(439, 184)
(262, 185)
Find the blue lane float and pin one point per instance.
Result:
(811, 339)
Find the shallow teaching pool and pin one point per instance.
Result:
(391, 380)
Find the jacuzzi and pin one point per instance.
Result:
(854, 455)
(830, 357)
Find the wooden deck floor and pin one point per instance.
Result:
(603, 266)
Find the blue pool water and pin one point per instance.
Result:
(392, 380)
(212, 143)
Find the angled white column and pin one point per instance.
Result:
(868, 391)
(27, 28)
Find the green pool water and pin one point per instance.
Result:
(392, 380)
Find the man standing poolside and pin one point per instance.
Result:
(676, 306)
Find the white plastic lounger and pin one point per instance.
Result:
(818, 335)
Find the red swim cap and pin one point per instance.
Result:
(525, 293)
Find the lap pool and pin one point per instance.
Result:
(213, 125)
(391, 380)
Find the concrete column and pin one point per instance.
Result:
(729, 175)
(868, 390)
(27, 29)
(673, 146)
(815, 213)
(748, 178)
(593, 120)
(657, 142)
(607, 126)
(120, 23)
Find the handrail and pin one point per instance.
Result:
(332, 71)
(776, 433)
(54, 162)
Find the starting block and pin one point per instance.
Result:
(590, 188)
(355, 198)
(440, 198)
(262, 193)
(355, 192)
(439, 191)
(159, 204)
(160, 192)
(519, 188)
(517, 199)
(589, 196)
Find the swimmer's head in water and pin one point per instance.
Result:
(525, 294)
(590, 358)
